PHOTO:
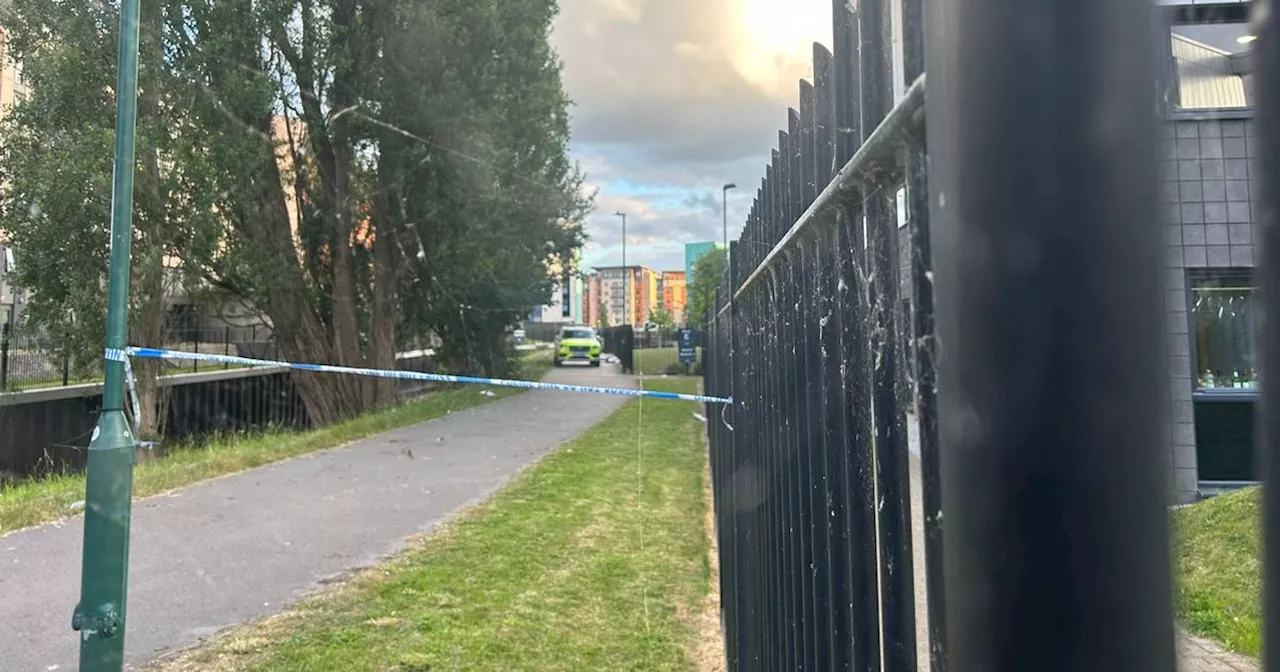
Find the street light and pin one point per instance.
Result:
(100, 615)
(724, 211)
(625, 294)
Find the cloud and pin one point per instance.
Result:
(672, 100)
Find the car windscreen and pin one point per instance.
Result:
(577, 333)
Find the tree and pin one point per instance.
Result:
(708, 273)
(362, 173)
(602, 316)
(56, 164)
(661, 318)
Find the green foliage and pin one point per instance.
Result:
(364, 174)
(708, 272)
(662, 318)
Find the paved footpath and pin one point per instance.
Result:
(245, 546)
(1194, 654)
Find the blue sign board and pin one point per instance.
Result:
(687, 344)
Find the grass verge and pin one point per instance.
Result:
(657, 361)
(40, 500)
(1218, 564)
(582, 562)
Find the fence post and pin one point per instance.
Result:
(892, 468)
(854, 354)
(66, 360)
(1267, 83)
(921, 331)
(195, 363)
(226, 348)
(4, 355)
(1051, 414)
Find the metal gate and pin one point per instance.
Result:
(1039, 397)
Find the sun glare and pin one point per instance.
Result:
(775, 39)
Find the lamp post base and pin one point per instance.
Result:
(100, 616)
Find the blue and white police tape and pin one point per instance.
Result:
(118, 355)
(115, 355)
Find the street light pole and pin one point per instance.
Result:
(626, 272)
(100, 615)
(724, 211)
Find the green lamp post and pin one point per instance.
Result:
(100, 615)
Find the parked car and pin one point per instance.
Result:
(577, 344)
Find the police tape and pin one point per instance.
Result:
(156, 353)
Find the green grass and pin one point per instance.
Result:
(566, 568)
(40, 500)
(657, 361)
(1218, 563)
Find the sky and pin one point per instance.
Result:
(673, 99)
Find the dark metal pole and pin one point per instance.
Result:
(5, 331)
(925, 347)
(1266, 61)
(66, 359)
(859, 467)
(897, 581)
(832, 408)
(733, 600)
(724, 212)
(1055, 471)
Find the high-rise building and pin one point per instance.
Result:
(10, 298)
(13, 91)
(672, 287)
(629, 294)
(566, 299)
(591, 299)
(693, 251)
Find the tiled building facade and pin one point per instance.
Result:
(1207, 193)
(1209, 253)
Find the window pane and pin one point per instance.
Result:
(1211, 67)
(1225, 315)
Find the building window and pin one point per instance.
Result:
(1225, 314)
(1210, 66)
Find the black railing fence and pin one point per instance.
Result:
(31, 360)
(620, 342)
(1039, 400)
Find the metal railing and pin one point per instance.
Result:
(32, 360)
(1040, 398)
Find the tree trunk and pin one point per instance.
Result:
(346, 335)
(384, 282)
(149, 282)
(300, 331)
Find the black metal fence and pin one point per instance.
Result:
(1039, 399)
(620, 342)
(32, 360)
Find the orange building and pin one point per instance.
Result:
(629, 294)
(674, 294)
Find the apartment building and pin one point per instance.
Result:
(13, 90)
(629, 294)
